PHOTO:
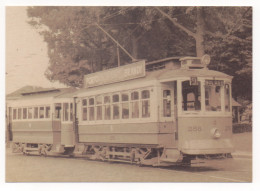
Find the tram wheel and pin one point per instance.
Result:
(186, 161)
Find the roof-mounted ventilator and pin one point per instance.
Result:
(195, 62)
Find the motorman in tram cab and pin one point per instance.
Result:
(215, 98)
(191, 96)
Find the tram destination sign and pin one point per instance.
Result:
(119, 74)
(214, 82)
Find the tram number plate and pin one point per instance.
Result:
(214, 82)
(194, 81)
(194, 128)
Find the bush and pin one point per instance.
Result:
(242, 127)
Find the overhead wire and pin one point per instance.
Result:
(115, 14)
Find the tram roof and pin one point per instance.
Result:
(151, 76)
(191, 73)
(157, 75)
(48, 93)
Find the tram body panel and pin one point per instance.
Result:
(56, 127)
(128, 133)
(205, 135)
(34, 132)
(67, 135)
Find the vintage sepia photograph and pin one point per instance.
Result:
(128, 94)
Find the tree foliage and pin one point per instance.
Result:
(76, 46)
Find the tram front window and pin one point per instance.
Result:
(227, 98)
(213, 98)
(191, 96)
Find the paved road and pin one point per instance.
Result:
(21, 168)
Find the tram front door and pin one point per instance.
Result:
(56, 124)
(170, 109)
(67, 129)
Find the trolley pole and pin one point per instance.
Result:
(133, 59)
(118, 55)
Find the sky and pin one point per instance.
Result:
(26, 53)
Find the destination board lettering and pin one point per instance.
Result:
(128, 72)
(214, 82)
(122, 73)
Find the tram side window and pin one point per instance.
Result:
(71, 112)
(145, 103)
(41, 112)
(115, 100)
(135, 104)
(191, 96)
(57, 110)
(227, 98)
(213, 98)
(125, 105)
(36, 113)
(107, 107)
(99, 107)
(14, 114)
(84, 110)
(24, 113)
(166, 103)
(47, 112)
(91, 103)
(19, 113)
(65, 111)
(30, 112)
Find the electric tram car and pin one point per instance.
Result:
(171, 111)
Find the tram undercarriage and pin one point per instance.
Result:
(139, 155)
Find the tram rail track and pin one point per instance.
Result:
(202, 171)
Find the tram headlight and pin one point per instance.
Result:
(215, 133)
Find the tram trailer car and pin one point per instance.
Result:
(167, 116)
(42, 121)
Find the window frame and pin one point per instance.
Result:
(32, 108)
(171, 102)
(28, 113)
(142, 101)
(116, 103)
(68, 113)
(123, 102)
(91, 107)
(135, 101)
(99, 105)
(203, 111)
(200, 95)
(112, 102)
(84, 106)
(229, 97)
(16, 114)
(109, 104)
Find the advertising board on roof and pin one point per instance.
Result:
(119, 74)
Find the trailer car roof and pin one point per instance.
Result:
(60, 93)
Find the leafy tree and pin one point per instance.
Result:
(76, 46)
(231, 47)
(223, 32)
